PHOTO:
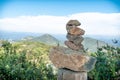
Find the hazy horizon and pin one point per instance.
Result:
(50, 16)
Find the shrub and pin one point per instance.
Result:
(16, 65)
(107, 65)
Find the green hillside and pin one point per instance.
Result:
(46, 39)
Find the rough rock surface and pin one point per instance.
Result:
(78, 41)
(72, 23)
(73, 37)
(71, 45)
(76, 31)
(74, 60)
(65, 74)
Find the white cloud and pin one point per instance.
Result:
(92, 23)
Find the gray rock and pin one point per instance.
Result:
(63, 57)
(65, 74)
(72, 28)
(71, 45)
(75, 39)
(78, 41)
(72, 23)
(76, 31)
(71, 37)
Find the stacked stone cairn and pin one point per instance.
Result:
(74, 35)
(72, 60)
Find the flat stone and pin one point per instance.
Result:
(71, 37)
(63, 57)
(71, 45)
(65, 74)
(76, 31)
(78, 41)
(75, 39)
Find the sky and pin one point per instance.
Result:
(98, 17)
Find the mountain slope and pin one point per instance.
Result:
(92, 44)
(47, 39)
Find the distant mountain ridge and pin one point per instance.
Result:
(45, 38)
(90, 44)
(90, 41)
(16, 36)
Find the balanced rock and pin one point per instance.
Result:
(63, 57)
(72, 28)
(72, 23)
(74, 35)
(78, 41)
(71, 37)
(66, 74)
(76, 31)
(75, 39)
(71, 45)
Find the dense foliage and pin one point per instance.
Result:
(25, 61)
(107, 66)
